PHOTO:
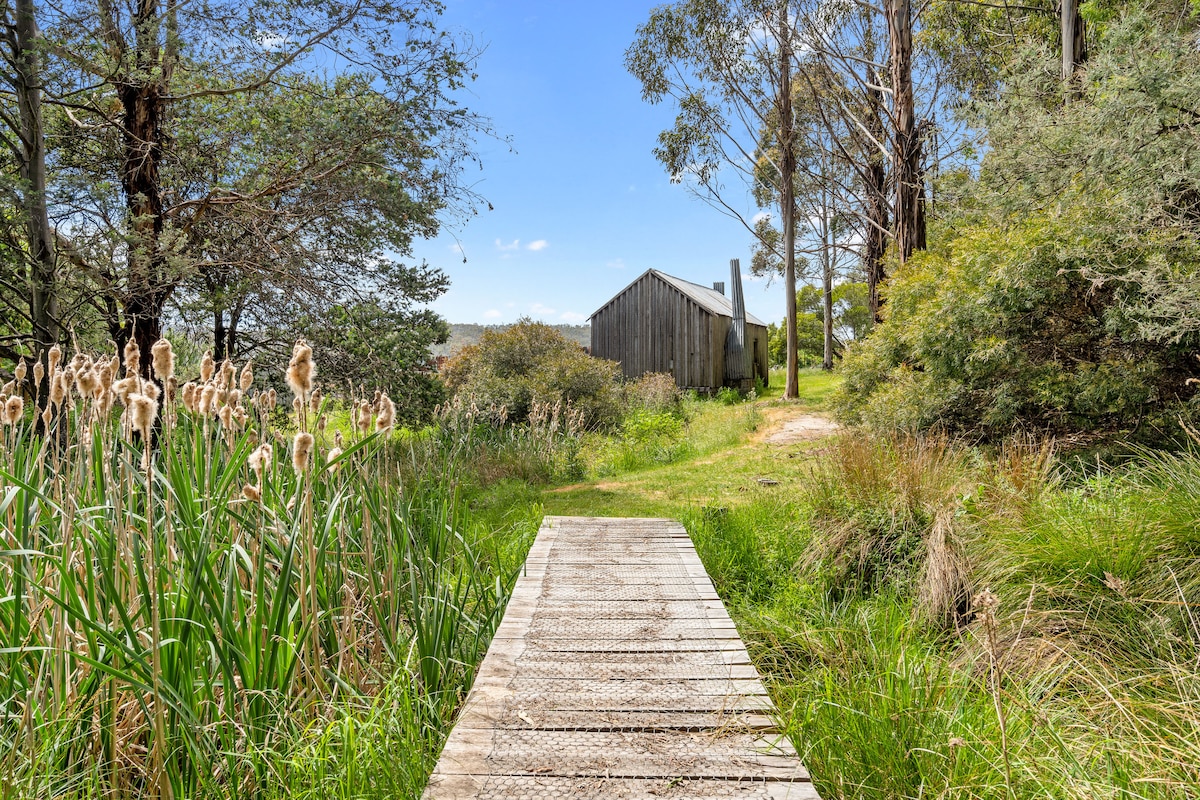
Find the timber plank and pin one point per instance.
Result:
(616, 672)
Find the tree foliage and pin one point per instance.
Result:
(221, 166)
(851, 322)
(1061, 290)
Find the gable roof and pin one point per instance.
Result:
(707, 298)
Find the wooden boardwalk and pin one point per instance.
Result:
(616, 673)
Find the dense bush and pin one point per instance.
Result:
(511, 370)
(1062, 287)
(996, 327)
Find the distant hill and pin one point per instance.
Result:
(466, 333)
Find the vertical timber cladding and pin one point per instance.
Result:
(660, 323)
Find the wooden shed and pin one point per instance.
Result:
(660, 323)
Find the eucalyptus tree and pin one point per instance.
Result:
(32, 297)
(233, 134)
(727, 68)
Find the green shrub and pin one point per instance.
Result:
(995, 329)
(510, 371)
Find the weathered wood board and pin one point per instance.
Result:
(616, 673)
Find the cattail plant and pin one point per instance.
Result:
(155, 647)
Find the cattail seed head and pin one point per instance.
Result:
(234, 398)
(105, 374)
(207, 367)
(376, 400)
(314, 402)
(87, 382)
(208, 397)
(252, 493)
(297, 405)
(54, 357)
(301, 450)
(114, 364)
(364, 417)
(125, 387)
(133, 358)
(321, 424)
(333, 456)
(164, 360)
(46, 417)
(13, 409)
(272, 400)
(226, 417)
(246, 380)
(142, 412)
(189, 396)
(260, 458)
(300, 370)
(337, 440)
(39, 372)
(21, 371)
(171, 387)
(58, 389)
(227, 373)
(387, 414)
(151, 390)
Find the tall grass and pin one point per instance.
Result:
(934, 621)
(185, 617)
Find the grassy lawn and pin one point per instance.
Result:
(723, 468)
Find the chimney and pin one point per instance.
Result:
(719, 286)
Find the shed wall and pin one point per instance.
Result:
(652, 327)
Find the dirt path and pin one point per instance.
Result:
(788, 424)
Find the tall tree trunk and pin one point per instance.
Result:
(43, 302)
(906, 142)
(875, 195)
(826, 277)
(142, 96)
(235, 319)
(219, 335)
(787, 200)
(1073, 43)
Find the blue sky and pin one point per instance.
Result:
(582, 207)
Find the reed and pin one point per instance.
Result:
(178, 606)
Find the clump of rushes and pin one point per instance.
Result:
(190, 615)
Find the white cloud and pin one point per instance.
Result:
(492, 313)
(538, 308)
(759, 217)
(616, 263)
(748, 278)
(514, 245)
(540, 244)
(572, 317)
